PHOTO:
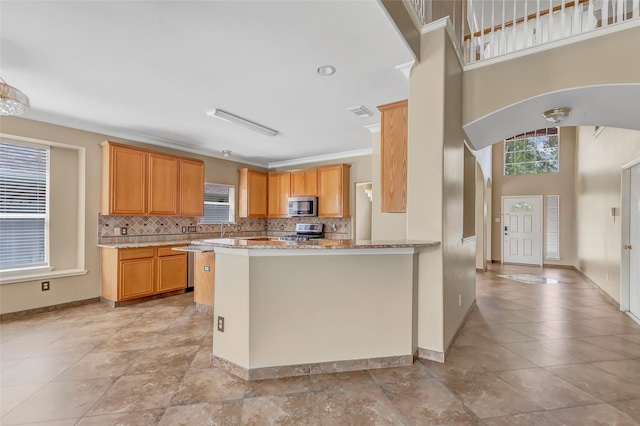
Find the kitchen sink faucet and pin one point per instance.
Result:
(222, 230)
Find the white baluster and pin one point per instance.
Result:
(620, 4)
(515, 38)
(591, 18)
(503, 33)
(525, 30)
(492, 37)
(550, 15)
(471, 13)
(562, 20)
(537, 39)
(636, 9)
(605, 13)
(482, 32)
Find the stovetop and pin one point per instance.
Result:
(304, 232)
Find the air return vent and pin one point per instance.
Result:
(360, 111)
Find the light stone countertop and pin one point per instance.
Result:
(144, 244)
(273, 243)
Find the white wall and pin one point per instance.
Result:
(599, 164)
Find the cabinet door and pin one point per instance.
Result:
(333, 191)
(127, 184)
(136, 278)
(191, 188)
(304, 183)
(163, 185)
(253, 190)
(279, 189)
(172, 273)
(393, 157)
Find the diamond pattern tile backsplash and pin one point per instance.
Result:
(169, 228)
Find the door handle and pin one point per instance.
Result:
(628, 247)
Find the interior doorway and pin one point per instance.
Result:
(630, 266)
(522, 229)
(363, 210)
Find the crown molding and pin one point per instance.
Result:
(405, 69)
(373, 128)
(318, 158)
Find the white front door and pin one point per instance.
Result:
(522, 230)
(634, 242)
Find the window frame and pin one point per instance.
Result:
(44, 266)
(231, 203)
(525, 136)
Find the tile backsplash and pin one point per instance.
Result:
(169, 228)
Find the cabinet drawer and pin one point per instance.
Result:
(135, 253)
(168, 251)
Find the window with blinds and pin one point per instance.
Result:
(219, 202)
(24, 206)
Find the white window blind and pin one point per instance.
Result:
(219, 202)
(24, 206)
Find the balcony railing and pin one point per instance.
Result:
(491, 28)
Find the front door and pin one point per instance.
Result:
(522, 230)
(634, 242)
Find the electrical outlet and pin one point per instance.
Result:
(459, 300)
(221, 324)
(116, 230)
(607, 276)
(207, 268)
(123, 231)
(45, 286)
(184, 229)
(192, 229)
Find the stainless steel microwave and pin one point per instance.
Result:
(303, 206)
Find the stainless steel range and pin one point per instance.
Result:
(304, 232)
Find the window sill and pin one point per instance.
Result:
(34, 275)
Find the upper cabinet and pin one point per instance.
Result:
(304, 183)
(191, 187)
(140, 182)
(253, 192)
(333, 190)
(279, 192)
(393, 157)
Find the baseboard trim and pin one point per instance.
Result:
(278, 372)
(430, 355)
(10, 316)
(114, 304)
(205, 309)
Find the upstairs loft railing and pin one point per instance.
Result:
(491, 28)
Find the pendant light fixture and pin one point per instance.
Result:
(12, 101)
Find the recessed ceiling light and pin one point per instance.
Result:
(326, 70)
(360, 111)
(226, 153)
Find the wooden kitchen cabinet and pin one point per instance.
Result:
(191, 193)
(139, 182)
(253, 193)
(204, 281)
(132, 273)
(333, 190)
(278, 194)
(163, 185)
(304, 183)
(393, 157)
(124, 180)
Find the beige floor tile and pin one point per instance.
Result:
(100, 364)
(631, 337)
(540, 354)
(582, 350)
(59, 400)
(631, 407)
(616, 344)
(495, 358)
(282, 386)
(208, 385)
(426, 402)
(135, 418)
(224, 413)
(136, 393)
(498, 333)
(627, 369)
(294, 409)
(487, 396)
(417, 371)
(37, 370)
(11, 397)
(531, 419)
(546, 389)
(127, 340)
(22, 348)
(594, 415)
(597, 382)
(342, 380)
(64, 422)
(202, 359)
(171, 361)
(365, 405)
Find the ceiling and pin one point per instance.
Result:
(150, 70)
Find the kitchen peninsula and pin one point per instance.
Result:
(291, 308)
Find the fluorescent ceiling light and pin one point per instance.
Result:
(226, 116)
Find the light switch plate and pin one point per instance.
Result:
(207, 268)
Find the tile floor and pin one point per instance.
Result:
(529, 355)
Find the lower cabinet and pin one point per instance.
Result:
(131, 273)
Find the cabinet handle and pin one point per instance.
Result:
(628, 247)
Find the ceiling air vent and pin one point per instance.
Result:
(360, 111)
